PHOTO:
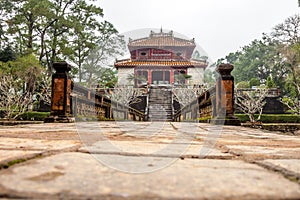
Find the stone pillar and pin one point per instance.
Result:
(225, 96)
(60, 96)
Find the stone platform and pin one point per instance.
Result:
(144, 160)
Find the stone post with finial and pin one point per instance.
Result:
(60, 94)
(225, 97)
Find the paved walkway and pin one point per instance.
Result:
(144, 160)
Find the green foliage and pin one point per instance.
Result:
(204, 119)
(34, 116)
(108, 78)
(53, 29)
(272, 118)
(254, 82)
(209, 78)
(7, 54)
(20, 86)
(276, 55)
(243, 84)
(259, 60)
(270, 83)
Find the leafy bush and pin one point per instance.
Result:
(269, 118)
(34, 116)
(254, 82)
(243, 84)
(204, 119)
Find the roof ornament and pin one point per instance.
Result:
(129, 39)
(151, 33)
(161, 30)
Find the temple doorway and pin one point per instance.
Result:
(160, 77)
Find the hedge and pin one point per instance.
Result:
(272, 118)
(33, 116)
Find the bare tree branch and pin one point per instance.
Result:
(125, 95)
(13, 99)
(251, 102)
(185, 95)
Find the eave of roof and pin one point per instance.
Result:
(130, 63)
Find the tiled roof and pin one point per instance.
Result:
(160, 39)
(130, 63)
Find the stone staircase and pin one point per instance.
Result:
(160, 104)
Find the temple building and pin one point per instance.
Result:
(160, 59)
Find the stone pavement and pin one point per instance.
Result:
(147, 160)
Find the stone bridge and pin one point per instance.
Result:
(71, 100)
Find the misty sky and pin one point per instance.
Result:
(218, 26)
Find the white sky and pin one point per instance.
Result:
(218, 26)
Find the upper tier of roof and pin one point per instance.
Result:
(161, 39)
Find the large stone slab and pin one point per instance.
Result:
(292, 165)
(265, 151)
(157, 149)
(78, 175)
(11, 155)
(36, 144)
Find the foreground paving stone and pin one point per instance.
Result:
(79, 175)
(181, 150)
(36, 144)
(292, 165)
(265, 152)
(7, 156)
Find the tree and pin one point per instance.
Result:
(7, 54)
(20, 83)
(125, 95)
(53, 29)
(209, 78)
(254, 82)
(292, 98)
(43, 90)
(87, 31)
(98, 60)
(251, 102)
(13, 99)
(108, 78)
(243, 84)
(288, 32)
(270, 83)
(185, 95)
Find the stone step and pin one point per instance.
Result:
(160, 105)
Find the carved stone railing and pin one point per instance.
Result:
(216, 104)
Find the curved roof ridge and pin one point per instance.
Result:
(161, 39)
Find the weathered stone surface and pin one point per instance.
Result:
(292, 165)
(36, 144)
(265, 151)
(11, 155)
(163, 158)
(80, 174)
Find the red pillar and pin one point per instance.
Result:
(172, 76)
(149, 76)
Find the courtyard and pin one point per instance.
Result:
(147, 160)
